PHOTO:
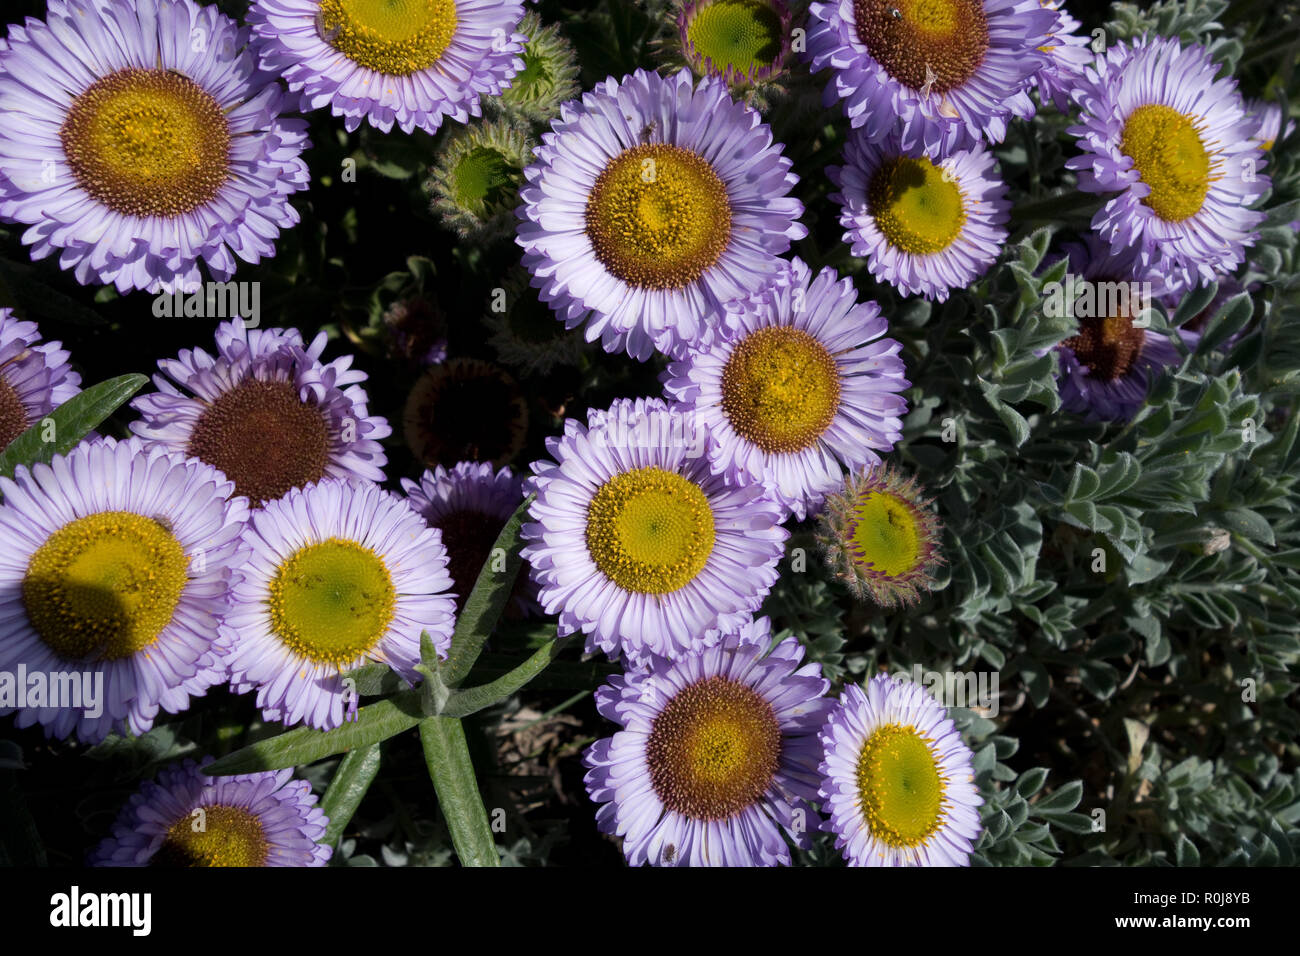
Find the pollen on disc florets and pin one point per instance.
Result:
(1109, 345)
(918, 208)
(1171, 157)
(658, 216)
(780, 389)
(880, 537)
(902, 791)
(104, 586)
(714, 749)
(649, 530)
(13, 414)
(264, 437)
(148, 143)
(221, 836)
(393, 37)
(931, 45)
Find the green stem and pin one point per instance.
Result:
(348, 787)
(447, 755)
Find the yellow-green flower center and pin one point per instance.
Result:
(780, 389)
(658, 216)
(332, 602)
(930, 45)
(147, 143)
(105, 586)
(650, 530)
(394, 37)
(914, 206)
(714, 749)
(1170, 157)
(216, 836)
(900, 789)
(886, 534)
(13, 415)
(736, 34)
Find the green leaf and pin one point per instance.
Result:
(462, 703)
(1249, 524)
(348, 787)
(73, 420)
(1061, 800)
(486, 601)
(374, 723)
(446, 754)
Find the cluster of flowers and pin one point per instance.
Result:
(240, 537)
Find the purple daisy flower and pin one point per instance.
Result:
(1107, 368)
(923, 228)
(140, 139)
(341, 573)
(897, 779)
(412, 63)
(35, 377)
(115, 573)
(1068, 54)
(1175, 143)
(653, 203)
(636, 543)
(469, 505)
(186, 818)
(801, 383)
(1267, 117)
(717, 756)
(945, 75)
(266, 411)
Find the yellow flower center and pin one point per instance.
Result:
(658, 216)
(1170, 157)
(930, 45)
(394, 37)
(214, 836)
(148, 143)
(780, 389)
(713, 749)
(914, 206)
(332, 602)
(650, 530)
(900, 790)
(105, 586)
(886, 534)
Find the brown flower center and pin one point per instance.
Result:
(714, 749)
(265, 438)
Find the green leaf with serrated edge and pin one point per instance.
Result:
(374, 723)
(347, 788)
(73, 420)
(446, 754)
(486, 601)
